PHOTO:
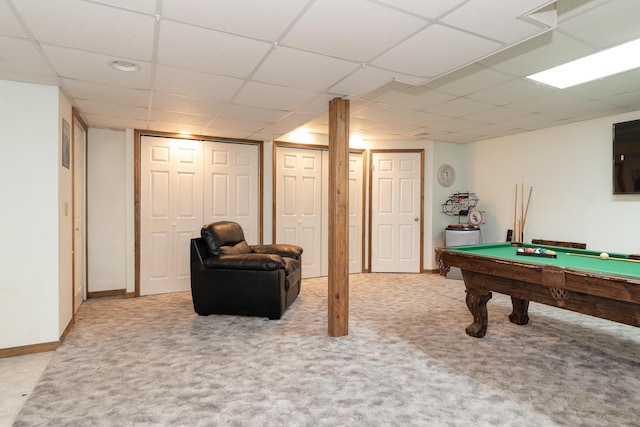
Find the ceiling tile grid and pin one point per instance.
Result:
(446, 70)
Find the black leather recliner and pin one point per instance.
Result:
(228, 276)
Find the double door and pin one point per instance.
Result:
(301, 206)
(185, 184)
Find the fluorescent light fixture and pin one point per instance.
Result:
(602, 64)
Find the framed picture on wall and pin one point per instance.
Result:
(66, 144)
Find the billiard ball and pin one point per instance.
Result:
(604, 255)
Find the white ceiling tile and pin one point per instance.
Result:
(90, 26)
(613, 85)
(430, 9)
(511, 91)
(469, 79)
(542, 52)
(298, 69)
(396, 128)
(177, 117)
(496, 114)
(434, 51)
(196, 84)
(261, 95)
(232, 111)
(200, 49)
(454, 125)
(356, 29)
(629, 100)
(264, 19)
(22, 55)
(608, 25)
(93, 67)
(577, 110)
(298, 118)
(363, 81)
(113, 110)
(186, 104)
(9, 25)
(233, 124)
(111, 94)
(460, 107)
(501, 23)
(382, 112)
(29, 77)
(107, 122)
(415, 100)
(144, 6)
(554, 99)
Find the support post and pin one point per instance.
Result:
(338, 217)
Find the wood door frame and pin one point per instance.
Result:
(318, 147)
(137, 145)
(370, 195)
(76, 119)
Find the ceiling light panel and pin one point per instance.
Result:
(601, 64)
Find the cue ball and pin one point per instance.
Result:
(604, 255)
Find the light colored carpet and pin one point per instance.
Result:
(406, 362)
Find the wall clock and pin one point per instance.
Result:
(446, 175)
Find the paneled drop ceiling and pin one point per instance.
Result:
(442, 70)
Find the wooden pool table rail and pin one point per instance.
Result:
(611, 297)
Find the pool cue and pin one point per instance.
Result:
(522, 213)
(610, 258)
(524, 218)
(515, 213)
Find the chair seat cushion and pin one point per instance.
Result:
(244, 262)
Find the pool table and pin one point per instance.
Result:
(609, 289)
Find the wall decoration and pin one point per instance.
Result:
(66, 144)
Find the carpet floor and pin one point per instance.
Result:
(407, 361)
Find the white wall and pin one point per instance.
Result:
(108, 210)
(29, 168)
(570, 170)
(65, 219)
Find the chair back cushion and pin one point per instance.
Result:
(225, 238)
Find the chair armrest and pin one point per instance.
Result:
(282, 249)
(266, 262)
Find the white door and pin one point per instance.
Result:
(395, 212)
(299, 204)
(79, 206)
(231, 175)
(171, 212)
(354, 212)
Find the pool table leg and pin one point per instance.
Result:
(477, 304)
(519, 315)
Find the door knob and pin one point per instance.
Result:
(416, 219)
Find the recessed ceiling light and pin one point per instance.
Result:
(602, 64)
(121, 65)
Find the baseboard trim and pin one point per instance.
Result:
(28, 349)
(103, 294)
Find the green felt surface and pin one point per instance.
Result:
(506, 251)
